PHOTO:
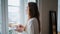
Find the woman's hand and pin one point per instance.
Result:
(20, 28)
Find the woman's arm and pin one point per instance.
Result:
(31, 29)
(34, 29)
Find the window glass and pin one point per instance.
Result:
(31, 0)
(13, 14)
(14, 2)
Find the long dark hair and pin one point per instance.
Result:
(33, 11)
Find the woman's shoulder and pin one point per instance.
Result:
(33, 19)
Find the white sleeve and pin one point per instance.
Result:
(31, 27)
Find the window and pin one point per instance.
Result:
(13, 13)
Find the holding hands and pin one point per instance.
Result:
(20, 28)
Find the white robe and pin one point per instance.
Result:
(32, 26)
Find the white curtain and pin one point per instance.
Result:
(0, 18)
(58, 21)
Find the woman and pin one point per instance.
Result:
(33, 25)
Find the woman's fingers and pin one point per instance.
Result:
(20, 28)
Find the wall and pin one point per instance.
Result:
(44, 7)
(54, 4)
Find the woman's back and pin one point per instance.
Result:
(32, 26)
